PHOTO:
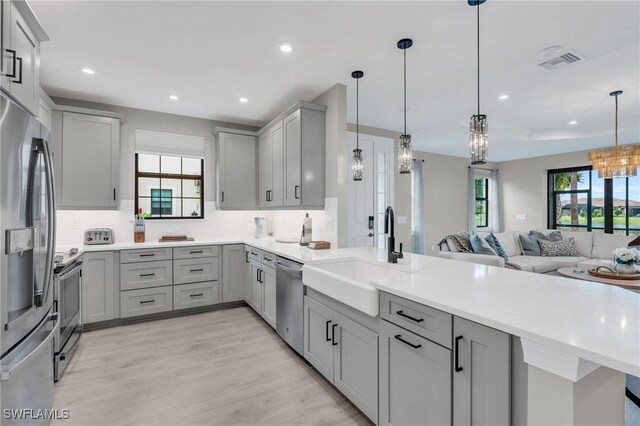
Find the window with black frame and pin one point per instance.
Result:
(169, 187)
(482, 202)
(579, 200)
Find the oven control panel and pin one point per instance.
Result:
(96, 236)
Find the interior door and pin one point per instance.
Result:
(361, 231)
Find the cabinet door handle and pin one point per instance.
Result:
(326, 330)
(457, 349)
(402, 314)
(246, 257)
(295, 192)
(333, 335)
(13, 62)
(147, 301)
(114, 194)
(222, 197)
(19, 80)
(196, 295)
(261, 276)
(399, 337)
(147, 275)
(197, 270)
(258, 275)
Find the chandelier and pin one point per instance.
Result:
(618, 160)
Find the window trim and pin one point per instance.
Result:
(485, 199)
(139, 174)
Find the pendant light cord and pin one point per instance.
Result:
(405, 90)
(616, 121)
(357, 113)
(478, 50)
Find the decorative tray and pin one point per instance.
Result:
(605, 272)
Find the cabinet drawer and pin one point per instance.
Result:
(198, 294)
(128, 256)
(269, 259)
(195, 270)
(145, 274)
(146, 301)
(427, 322)
(255, 254)
(195, 252)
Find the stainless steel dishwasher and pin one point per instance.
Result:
(289, 303)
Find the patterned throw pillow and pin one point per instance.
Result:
(559, 248)
(551, 236)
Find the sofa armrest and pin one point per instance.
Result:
(483, 259)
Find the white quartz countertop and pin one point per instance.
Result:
(595, 322)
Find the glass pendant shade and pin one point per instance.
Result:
(356, 165)
(618, 160)
(405, 154)
(478, 139)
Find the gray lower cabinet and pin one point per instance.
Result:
(415, 379)
(345, 352)
(146, 301)
(247, 274)
(139, 275)
(268, 278)
(196, 294)
(195, 270)
(100, 292)
(233, 272)
(481, 377)
(255, 289)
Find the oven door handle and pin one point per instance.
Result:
(71, 271)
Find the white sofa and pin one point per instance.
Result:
(595, 249)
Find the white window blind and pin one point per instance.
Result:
(150, 142)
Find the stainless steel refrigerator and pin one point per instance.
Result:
(27, 241)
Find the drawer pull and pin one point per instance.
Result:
(197, 270)
(147, 301)
(147, 254)
(457, 349)
(196, 251)
(399, 337)
(254, 253)
(147, 275)
(402, 314)
(196, 295)
(268, 259)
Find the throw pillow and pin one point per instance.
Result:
(559, 248)
(551, 236)
(460, 241)
(480, 245)
(530, 246)
(496, 245)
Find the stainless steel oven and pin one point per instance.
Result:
(67, 297)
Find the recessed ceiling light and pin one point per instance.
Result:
(503, 97)
(88, 70)
(573, 122)
(286, 48)
(174, 97)
(243, 100)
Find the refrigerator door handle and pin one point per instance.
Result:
(6, 375)
(51, 212)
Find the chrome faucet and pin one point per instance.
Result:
(389, 220)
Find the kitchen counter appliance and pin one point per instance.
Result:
(95, 236)
(67, 283)
(27, 240)
(289, 303)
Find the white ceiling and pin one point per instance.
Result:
(211, 53)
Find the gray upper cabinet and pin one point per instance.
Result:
(270, 165)
(21, 37)
(304, 157)
(88, 160)
(481, 377)
(415, 379)
(343, 351)
(233, 271)
(100, 292)
(236, 168)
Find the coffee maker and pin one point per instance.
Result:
(261, 227)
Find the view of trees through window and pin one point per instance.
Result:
(482, 202)
(580, 200)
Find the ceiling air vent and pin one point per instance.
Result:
(559, 58)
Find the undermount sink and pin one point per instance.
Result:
(348, 280)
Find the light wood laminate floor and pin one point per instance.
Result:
(225, 367)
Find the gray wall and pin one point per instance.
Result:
(159, 122)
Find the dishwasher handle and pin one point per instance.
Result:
(288, 268)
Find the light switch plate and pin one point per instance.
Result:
(402, 219)
(521, 216)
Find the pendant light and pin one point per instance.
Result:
(357, 166)
(618, 160)
(478, 127)
(405, 154)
